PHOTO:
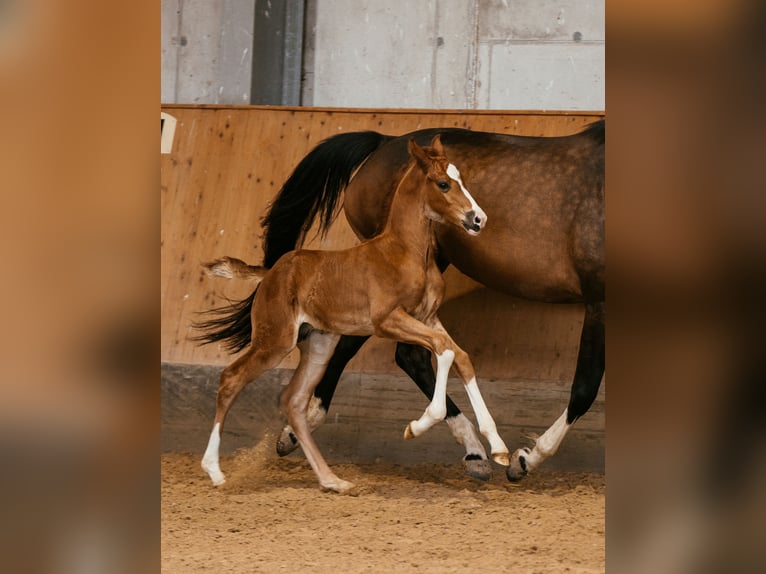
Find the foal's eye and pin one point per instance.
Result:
(443, 185)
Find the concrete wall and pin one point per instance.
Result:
(207, 51)
(458, 54)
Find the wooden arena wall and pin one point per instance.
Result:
(224, 165)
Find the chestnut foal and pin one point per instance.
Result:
(391, 287)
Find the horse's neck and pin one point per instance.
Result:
(407, 223)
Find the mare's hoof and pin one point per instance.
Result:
(478, 468)
(408, 434)
(518, 467)
(286, 442)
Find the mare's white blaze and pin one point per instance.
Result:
(453, 172)
(437, 409)
(210, 459)
(465, 434)
(485, 420)
(549, 442)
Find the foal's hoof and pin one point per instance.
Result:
(287, 442)
(478, 468)
(408, 434)
(501, 458)
(214, 472)
(340, 487)
(518, 467)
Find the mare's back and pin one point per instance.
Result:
(540, 195)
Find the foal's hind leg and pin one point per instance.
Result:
(587, 380)
(316, 350)
(416, 362)
(234, 378)
(319, 403)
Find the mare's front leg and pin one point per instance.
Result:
(316, 350)
(587, 380)
(416, 362)
(319, 403)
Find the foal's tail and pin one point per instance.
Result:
(231, 323)
(233, 268)
(313, 190)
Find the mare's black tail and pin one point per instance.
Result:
(596, 130)
(313, 191)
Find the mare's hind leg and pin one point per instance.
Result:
(587, 380)
(316, 350)
(416, 362)
(319, 403)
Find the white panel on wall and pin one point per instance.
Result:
(542, 20)
(498, 54)
(545, 77)
(373, 54)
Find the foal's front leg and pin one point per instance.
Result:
(403, 327)
(416, 362)
(487, 425)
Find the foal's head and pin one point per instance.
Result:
(447, 199)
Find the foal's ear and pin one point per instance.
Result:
(436, 143)
(419, 154)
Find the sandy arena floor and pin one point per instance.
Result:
(270, 516)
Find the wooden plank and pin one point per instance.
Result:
(227, 164)
(369, 414)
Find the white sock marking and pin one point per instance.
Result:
(437, 409)
(210, 459)
(549, 442)
(486, 422)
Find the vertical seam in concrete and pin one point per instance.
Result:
(475, 62)
(219, 71)
(435, 51)
(178, 50)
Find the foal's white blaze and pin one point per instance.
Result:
(454, 174)
(210, 460)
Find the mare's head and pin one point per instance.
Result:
(447, 199)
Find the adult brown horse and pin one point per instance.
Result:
(545, 243)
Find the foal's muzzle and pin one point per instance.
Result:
(474, 221)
